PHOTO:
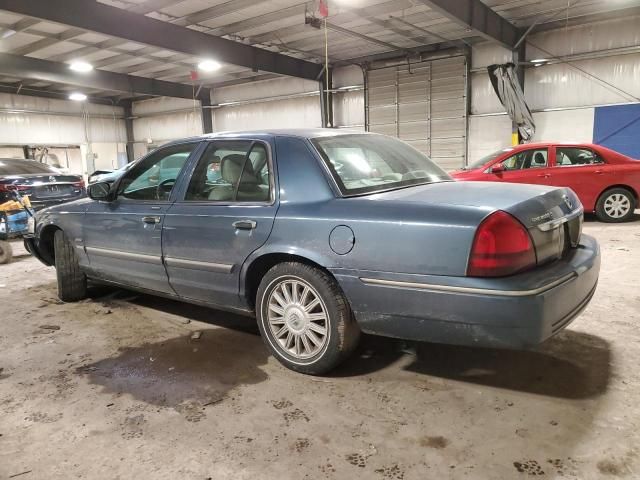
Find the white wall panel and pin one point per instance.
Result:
(347, 76)
(265, 89)
(348, 109)
(172, 126)
(561, 85)
(619, 33)
(488, 134)
(483, 97)
(163, 104)
(485, 54)
(286, 113)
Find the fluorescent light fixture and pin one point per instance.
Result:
(540, 60)
(208, 65)
(6, 33)
(78, 97)
(81, 67)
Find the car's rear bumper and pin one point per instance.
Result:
(514, 312)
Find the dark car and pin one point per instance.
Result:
(44, 185)
(322, 234)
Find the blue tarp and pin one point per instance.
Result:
(618, 128)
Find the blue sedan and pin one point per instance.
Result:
(322, 234)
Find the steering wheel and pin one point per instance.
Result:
(415, 174)
(162, 191)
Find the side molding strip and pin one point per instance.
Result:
(196, 265)
(139, 257)
(468, 290)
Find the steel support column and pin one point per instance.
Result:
(128, 123)
(519, 57)
(205, 103)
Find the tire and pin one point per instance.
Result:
(302, 346)
(6, 252)
(72, 283)
(615, 205)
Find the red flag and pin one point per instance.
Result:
(323, 9)
(194, 75)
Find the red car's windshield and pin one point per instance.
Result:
(487, 158)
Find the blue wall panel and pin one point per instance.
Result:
(618, 128)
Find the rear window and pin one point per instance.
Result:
(372, 163)
(24, 167)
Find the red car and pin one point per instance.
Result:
(606, 182)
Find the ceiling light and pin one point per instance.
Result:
(78, 97)
(81, 67)
(540, 60)
(208, 65)
(6, 33)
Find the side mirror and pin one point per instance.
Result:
(498, 168)
(100, 191)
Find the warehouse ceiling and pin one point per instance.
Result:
(358, 31)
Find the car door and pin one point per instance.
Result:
(526, 166)
(583, 171)
(122, 238)
(225, 213)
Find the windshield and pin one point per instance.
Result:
(24, 167)
(487, 158)
(369, 163)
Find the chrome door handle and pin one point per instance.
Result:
(598, 172)
(151, 220)
(245, 224)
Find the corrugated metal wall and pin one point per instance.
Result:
(423, 104)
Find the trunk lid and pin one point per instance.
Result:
(552, 215)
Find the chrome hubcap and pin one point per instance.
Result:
(298, 318)
(617, 205)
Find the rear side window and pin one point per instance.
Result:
(572, 157)
(231, 171)
(25, 167)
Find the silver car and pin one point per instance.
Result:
(322, 234)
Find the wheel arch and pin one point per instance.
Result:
(621, 185)
(256, 267)
(45, 243)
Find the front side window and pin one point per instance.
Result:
(231, 171)
(369, 163)
(154, 177)
(571, 157)
(526, 159)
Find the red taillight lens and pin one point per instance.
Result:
(8, 187)
(502, 246)
(79, 184)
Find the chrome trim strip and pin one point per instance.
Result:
(139, 257)
(468, 290)
(556, 222)
(196, 265)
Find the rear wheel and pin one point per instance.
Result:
(72, 283)
(615, 205)
(304, 318)
(6, 252)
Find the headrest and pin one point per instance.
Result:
(232, 166)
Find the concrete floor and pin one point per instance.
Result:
(121, 390)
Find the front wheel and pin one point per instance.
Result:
(615, 205)
(72, 283)
(304, 318)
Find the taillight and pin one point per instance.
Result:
(79, 184)
(502, 246)
(9, 187)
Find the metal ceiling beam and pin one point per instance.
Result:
(16, 89)
(115, 22)
(44, 70)
(477, 17)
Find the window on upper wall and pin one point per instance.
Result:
(535, 158)
(231, 171)
(572, 157)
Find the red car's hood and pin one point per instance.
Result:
(467, 174)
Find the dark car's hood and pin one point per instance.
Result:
(531, 204)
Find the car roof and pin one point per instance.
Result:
(285, 132)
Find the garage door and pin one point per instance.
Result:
(424, 105)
